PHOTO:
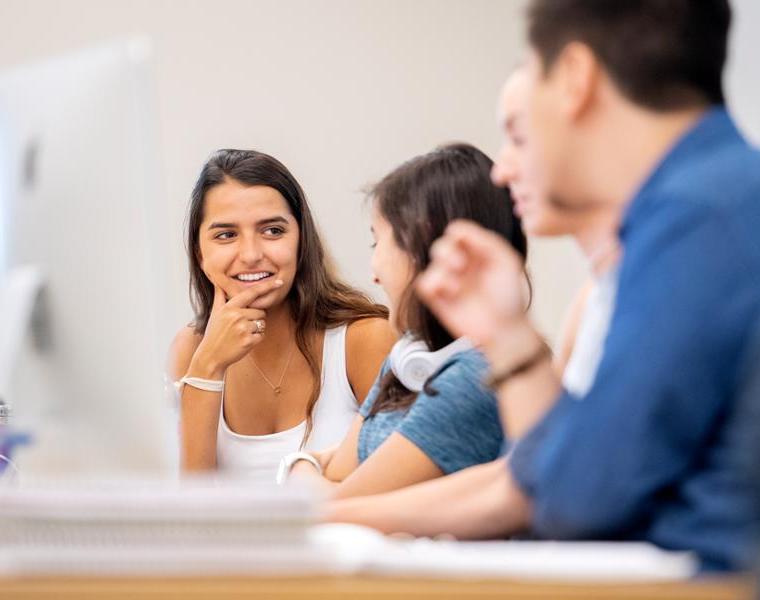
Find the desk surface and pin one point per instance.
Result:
(365, 588)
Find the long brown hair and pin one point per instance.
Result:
(419, 199)
(318, 299)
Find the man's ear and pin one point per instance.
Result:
(578, 73)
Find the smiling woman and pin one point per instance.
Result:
(281, 352)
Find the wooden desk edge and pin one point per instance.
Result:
(365, 588)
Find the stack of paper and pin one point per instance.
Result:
(138, 527)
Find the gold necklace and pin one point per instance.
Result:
(275, 388)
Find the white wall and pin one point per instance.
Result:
(743, 75)
(340, 90)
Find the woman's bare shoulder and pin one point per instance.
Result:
(368, 342)
(181, 351)
(373, 331)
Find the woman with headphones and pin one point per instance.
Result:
(429, 413)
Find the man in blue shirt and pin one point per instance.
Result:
(626, 110)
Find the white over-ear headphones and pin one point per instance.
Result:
(413, 363)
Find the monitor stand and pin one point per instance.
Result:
(22, 312)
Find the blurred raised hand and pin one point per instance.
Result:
(475, 283)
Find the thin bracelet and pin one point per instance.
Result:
(207, 385)
(496, 380)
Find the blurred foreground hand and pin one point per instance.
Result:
(475, 283)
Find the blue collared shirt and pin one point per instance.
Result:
(657, 449)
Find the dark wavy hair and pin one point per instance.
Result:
(318, 299)
(419, 199)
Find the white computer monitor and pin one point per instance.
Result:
(82, 233)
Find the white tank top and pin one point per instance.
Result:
(580, 371)
(257, 456)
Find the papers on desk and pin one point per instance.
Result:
(234, 529)
(362, 550)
